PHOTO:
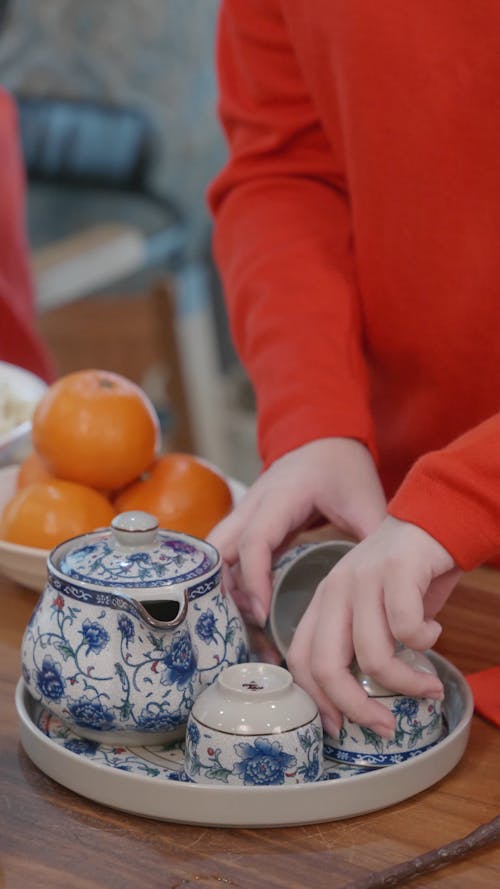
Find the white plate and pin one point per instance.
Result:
(25, 386)
(153, 786)
(26, 564)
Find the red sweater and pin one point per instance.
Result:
(19, 342)
(357, 225)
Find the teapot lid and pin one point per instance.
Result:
(134, 552)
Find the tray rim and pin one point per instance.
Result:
(208, 806)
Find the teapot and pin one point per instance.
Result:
(132, 625)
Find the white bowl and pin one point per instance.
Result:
(27, 565)
(254, 726)
(25, 390)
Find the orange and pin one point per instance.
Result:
(46, 513)
(96, 428)
(183, 493)
(31, 470)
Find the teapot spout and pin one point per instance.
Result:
(163, 610)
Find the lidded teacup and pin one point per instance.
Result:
(133, 623)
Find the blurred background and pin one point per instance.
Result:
(120, 139)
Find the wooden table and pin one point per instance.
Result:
(51, 838)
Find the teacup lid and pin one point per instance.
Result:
(415, 659)
(134, 552)
(254, 699)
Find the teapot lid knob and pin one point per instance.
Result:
(134, 528)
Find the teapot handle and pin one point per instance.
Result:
(162, 612)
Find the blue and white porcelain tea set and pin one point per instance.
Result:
(135, 642)
(131, 626)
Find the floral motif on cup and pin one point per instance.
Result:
(263, 760)
(310, 740)
(418, 726)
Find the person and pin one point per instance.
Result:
(356, 225)
(20, 342)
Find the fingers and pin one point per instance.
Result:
(226, 534)
(374, 645)
(249, 538)
(314, 479)
(248, 552)
(388, 606)
(299, 663)
(387, 588)
(319, 659)
(333, 671)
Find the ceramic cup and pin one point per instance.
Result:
(419, 723)
(254, 726)
(133, 623)
(296, 574)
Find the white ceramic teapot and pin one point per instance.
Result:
(133, 623)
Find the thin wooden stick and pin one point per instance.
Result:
(432, 860)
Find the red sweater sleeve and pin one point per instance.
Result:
(453, 495)
(19, 342)
(283, 241)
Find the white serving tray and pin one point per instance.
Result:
(149, 781)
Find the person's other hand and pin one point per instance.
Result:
(332, 477)
(389, 587)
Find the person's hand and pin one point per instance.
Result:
(332, 477)
(389, 587)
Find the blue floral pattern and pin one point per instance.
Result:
(263, 762)
(293, 757)
(49, 679)
(162, 762)
(94, 635)
(106, 669)
(91, 714)
(179, 662)
(169, 560)
(82, 746)
(419, 726)
(205, 626)
(126, 628)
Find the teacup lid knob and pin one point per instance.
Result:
(134, 528)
